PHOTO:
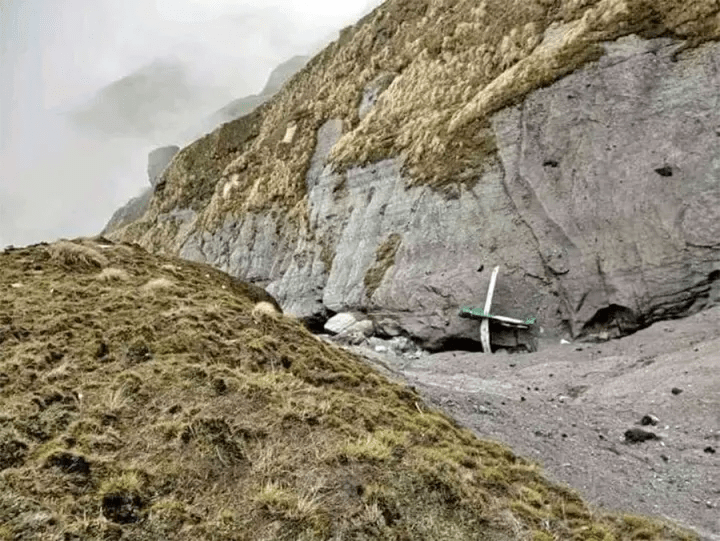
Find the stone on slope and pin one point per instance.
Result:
(638, 435)
(340, 323)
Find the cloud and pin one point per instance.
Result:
(57, 180)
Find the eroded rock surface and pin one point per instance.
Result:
(600, 206)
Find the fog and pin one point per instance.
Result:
(60, 177)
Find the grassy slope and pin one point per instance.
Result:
(145, 398)
(457, 61)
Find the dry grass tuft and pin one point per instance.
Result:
(264, 309)
(384, 260)
(75, 256)
(113, 275)
(157, 284)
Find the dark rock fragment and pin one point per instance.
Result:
(638, 435)
(649, 420)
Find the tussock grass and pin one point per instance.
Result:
(185, 416)
(157, 284)
(76, 256)
(384, 259)
(264, 309)
(452, 64)
(113, 275)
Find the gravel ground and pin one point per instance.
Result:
(570, 407)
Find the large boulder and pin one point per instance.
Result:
(340, 323)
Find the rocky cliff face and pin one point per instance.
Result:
(574, 145)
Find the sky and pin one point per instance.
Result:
(58, 179)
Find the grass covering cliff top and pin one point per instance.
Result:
(149, 398)
(454, 63)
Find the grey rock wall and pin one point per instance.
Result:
(602, 209)
(616, 169)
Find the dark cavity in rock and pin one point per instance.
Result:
(613, 321)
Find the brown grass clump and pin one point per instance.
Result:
(157, 284)
(186, 416)
(77, 256)
(264, 309)
(113, 275)
(452, 64)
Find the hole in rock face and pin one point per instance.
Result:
(458, 344)
(665, 171)
(713, 294)
(551, 163)
(612, 321)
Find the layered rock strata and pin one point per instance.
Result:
(601, 204)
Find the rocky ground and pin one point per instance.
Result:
(632, 424)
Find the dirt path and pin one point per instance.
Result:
(569, 406)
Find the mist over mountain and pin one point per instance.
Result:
(245, 105)
(153, 99)
(160, 158)
(88, 88)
